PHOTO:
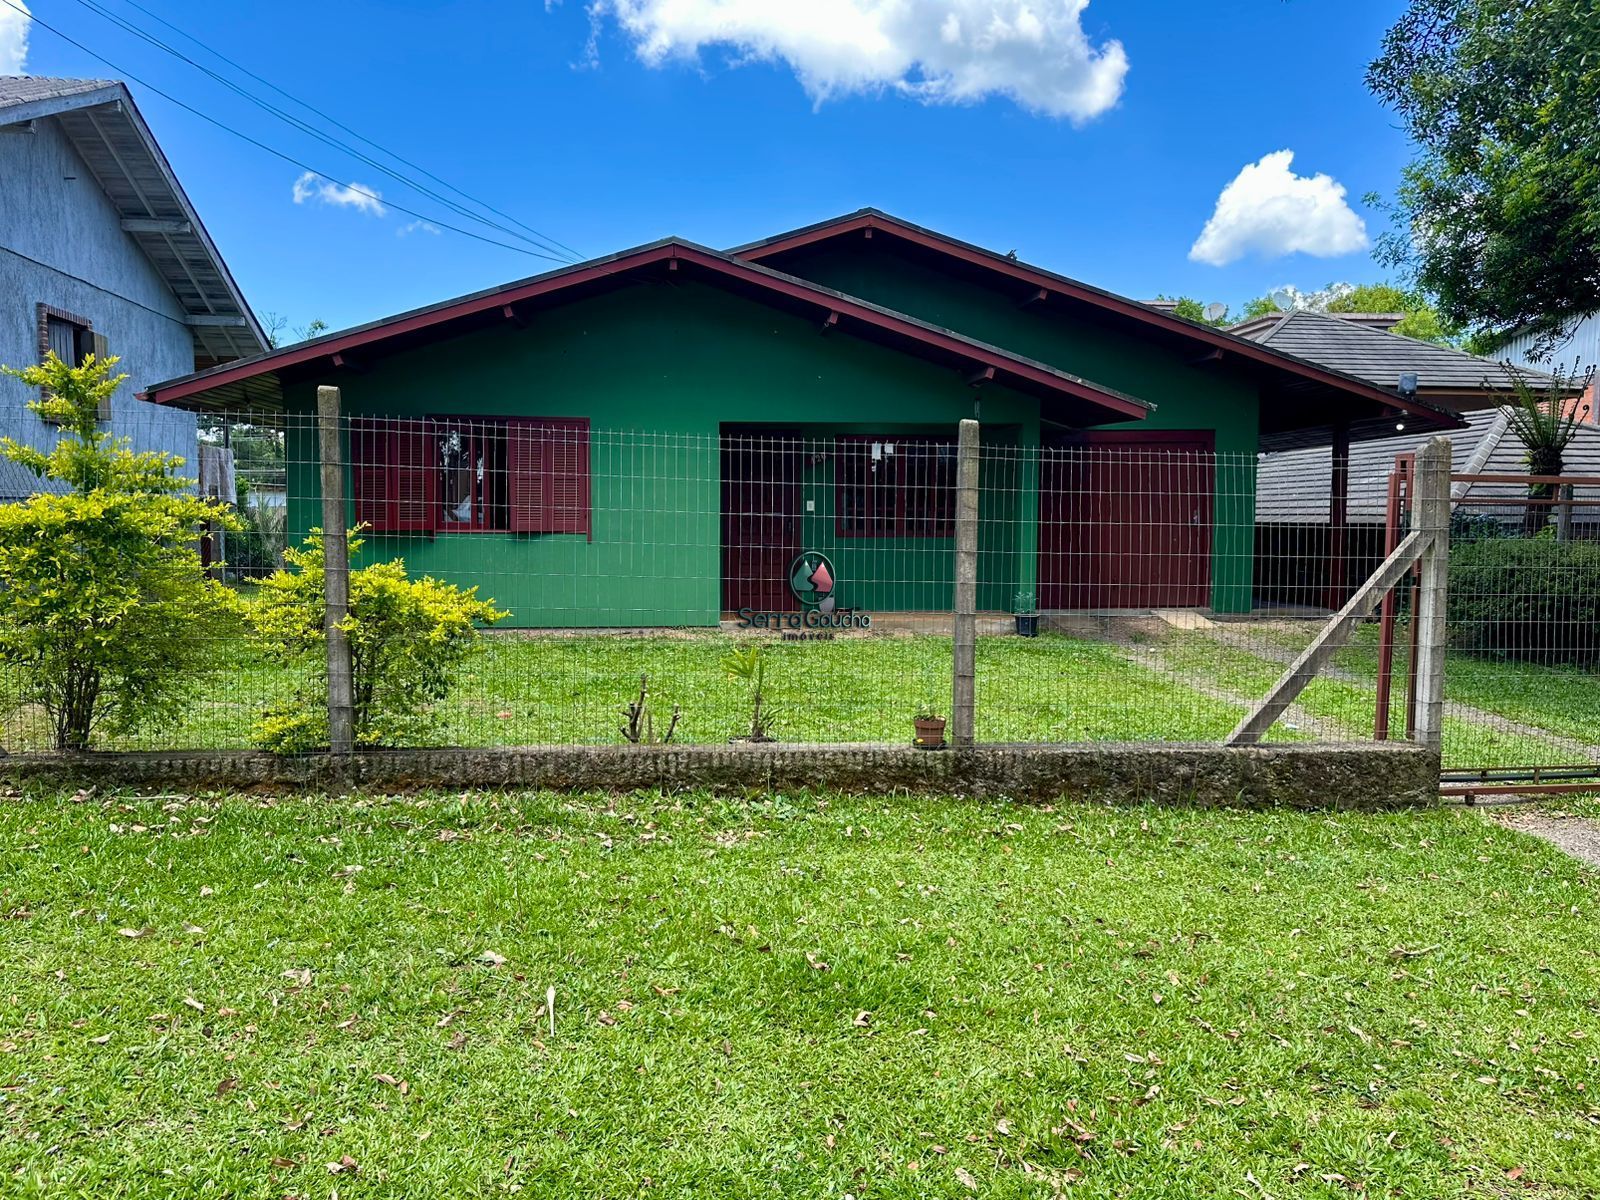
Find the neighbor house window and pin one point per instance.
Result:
(72, 338)
(450, 474)
(894, 487)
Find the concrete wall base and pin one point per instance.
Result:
(1351, 776)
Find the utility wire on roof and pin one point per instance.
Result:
(532, 235)
(276, 153)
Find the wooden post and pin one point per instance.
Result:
(1432, 518)
(963, 699)
(336, 574)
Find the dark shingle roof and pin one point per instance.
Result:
(1443, 373)
(1295, 485)
(24, 89)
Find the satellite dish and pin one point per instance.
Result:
(1282, 299)
(1216, 311)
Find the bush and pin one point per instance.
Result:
(107, 619)
(1527, 598)
(408, 639)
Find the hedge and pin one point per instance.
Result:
(1526, 598)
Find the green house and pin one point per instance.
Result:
(655, 438)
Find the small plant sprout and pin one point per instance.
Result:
(1023, 603)
(749, 663)
(639, 726)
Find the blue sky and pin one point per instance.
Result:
(1103, 163)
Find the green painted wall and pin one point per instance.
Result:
(1186, 397)
(659, 369)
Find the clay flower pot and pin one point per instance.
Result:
(930, 733)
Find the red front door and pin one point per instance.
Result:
(760, 520)
(1125, 521)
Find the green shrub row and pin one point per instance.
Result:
(1534, 599)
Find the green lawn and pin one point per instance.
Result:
(1166, 685)
(792, 996)
(561, 689)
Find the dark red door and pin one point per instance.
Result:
(760, 520)
(1125, 521)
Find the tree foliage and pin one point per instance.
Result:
(107, 619)
(408, 641)
(1500, 210)
(1546, 428)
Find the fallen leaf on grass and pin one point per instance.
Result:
(194, 930)
(606, 1018)
(345, 1164)
(194, 1004)
(863, 1019)
(392, 1081)
(283, 1163)
(965, 1179)
(1403, 952)
(101, 1040)
(816, 963)
(492, 958)
(300, 975)
(225, 1086)
(346, 871)
(136, 933)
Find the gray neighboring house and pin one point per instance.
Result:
(1298, 505)
(100, 250)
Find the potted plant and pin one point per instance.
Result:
(930, 729)
(1026, 613)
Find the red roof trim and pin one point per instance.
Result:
(1051, 282)
(1005, 364)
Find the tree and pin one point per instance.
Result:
(107, 618)
(1420, 321)
(408, 639)
(277, 326)
(1546, 428)
(1499, 213)
(1191, 309)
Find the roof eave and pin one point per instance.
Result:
(1008, 369)
(1260, 352)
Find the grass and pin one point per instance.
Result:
(1170, 686)
(787, 996)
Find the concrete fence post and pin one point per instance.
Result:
(336, 574)
(1432, 517)
(963, 697)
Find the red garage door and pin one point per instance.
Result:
(1125, 521)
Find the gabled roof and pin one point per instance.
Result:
(1450, 376)
(103, 124)
(258, 381)
(1302, 395)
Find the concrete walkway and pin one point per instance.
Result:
(1577, 836)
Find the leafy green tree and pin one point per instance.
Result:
(1499, 213)
(108, 621)
(408, 641)
(1420, 321)
(1191, 309)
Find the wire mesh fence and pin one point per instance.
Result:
(1129, 587)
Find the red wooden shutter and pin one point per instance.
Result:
(392, 466)
(567, 476)
(548, 488)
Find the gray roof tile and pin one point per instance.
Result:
(1381, 358)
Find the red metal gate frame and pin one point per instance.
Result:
(1529, 781)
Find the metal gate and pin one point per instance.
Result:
(1522, 680)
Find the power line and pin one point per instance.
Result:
(336, 123)
(276, 153)
(538, 239)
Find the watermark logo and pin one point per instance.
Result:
(811, 579)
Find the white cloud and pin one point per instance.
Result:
(1270, 211)
(14, 38)
(1035, 52)
(418, 226)
(359, 196)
